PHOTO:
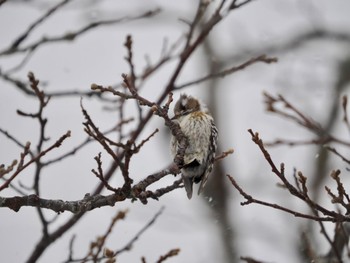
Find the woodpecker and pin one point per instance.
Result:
(198, 126)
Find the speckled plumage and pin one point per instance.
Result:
(199, 128)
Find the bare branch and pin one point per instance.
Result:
(21, 166)
(229, 71)
(251, 260)
(88, 203)
(7, 170)
(13, 139)
(22, 86)
(159, 192)
(96, 247)
(36, 23)
(300, 191)
(224, 155)
(171, 253)
(129, 245)
(99, 174)
(336, 152)
(70, 36)
(345, 112)
(142, 143)
(236, 5)
(292, 113)
(250, 200)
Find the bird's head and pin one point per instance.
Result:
(186, 105)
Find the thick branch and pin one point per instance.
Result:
(86, 204)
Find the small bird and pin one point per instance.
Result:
(198, 126)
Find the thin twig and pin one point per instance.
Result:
(250, 200)
(229, 71)
(70, 36)
(223, 155)
(129, 245)
(171, 253)
(34, 159)
(36, 23)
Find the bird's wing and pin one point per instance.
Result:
(211, 156)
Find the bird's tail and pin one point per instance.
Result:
(188, 182)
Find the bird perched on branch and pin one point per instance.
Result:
(198, 126)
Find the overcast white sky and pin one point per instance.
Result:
(305, 75)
